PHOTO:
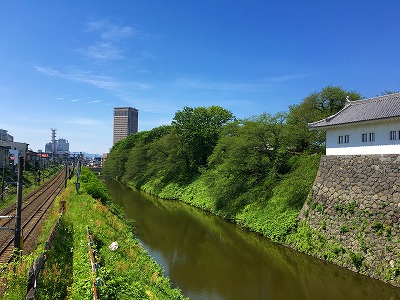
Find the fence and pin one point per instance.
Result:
(95, 266)
(34, 270)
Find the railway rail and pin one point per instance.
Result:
(34, 207)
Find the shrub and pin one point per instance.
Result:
(356, 259)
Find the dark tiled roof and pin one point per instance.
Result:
(378, 108)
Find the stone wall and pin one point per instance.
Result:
(355, 204)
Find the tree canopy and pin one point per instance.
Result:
(198, 130)
(314, 107)
(234, 155)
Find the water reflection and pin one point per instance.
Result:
(209, 258)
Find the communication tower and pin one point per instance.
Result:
(53, 140)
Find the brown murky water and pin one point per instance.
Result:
(209, 258)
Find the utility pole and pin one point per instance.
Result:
(3, 179)
(78, 174)
(17, 239)
(66, 175)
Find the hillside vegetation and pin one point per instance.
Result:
(256, 172)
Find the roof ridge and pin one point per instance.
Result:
(374, 98)
(381, 107)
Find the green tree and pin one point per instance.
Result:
(198, 130)
(315, 107)
(249, 153)
(155, 160)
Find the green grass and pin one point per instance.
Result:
(128, 273)
(270, 208)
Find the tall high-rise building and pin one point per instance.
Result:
(125, 122)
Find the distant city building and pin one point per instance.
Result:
(4, 136)
(10, 150)
(125, 122)
(59, 147)
(4, 156)
(62, 145)
(15, 149)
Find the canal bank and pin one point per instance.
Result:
(210, 258)
(354, 224)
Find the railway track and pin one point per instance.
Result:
(34, 207)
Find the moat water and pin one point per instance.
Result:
(209, 258)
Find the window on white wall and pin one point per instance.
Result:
(364, 137)
(393, 135)
(343, 139)
(372, 136)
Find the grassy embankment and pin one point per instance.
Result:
(127, 273)
(274, 215)
(271, 213)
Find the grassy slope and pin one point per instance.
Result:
(274, 217)
(128, 273)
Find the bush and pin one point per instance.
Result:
(94, 187)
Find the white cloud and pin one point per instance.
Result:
(256, 85)
(102, 51)
(108, 30)
(101, 81)
(107, 37)
(95, 101)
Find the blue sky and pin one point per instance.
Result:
(66, 64)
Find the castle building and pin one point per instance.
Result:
(125, 122)
(363, 127)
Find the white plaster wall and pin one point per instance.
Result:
(382, 144)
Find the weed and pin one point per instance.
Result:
(351, 206)
(323, 225)
(343, 229)
(339, 207)
(377, 227)
(319, 208)
(357, 259)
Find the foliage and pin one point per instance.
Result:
(57, 274)
(357, 259)
(314, 107)
(377, 227)
(116, 159)
(93, 186)
(198, 130)
(277, 217)
(156, 159)
(127, 273)
(249, 154)
(256, 171)
(13, 278)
